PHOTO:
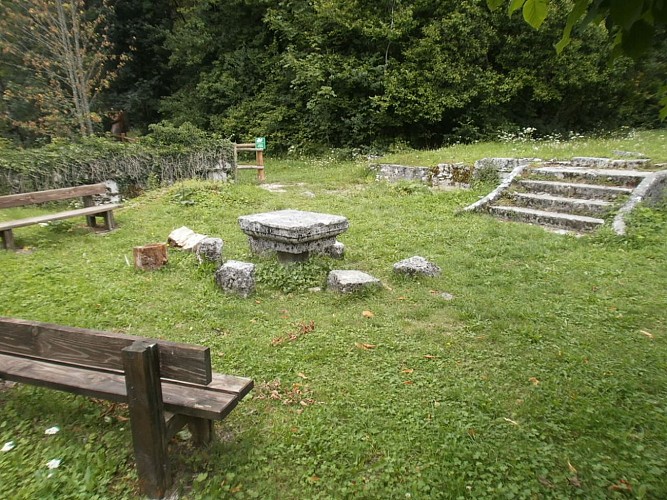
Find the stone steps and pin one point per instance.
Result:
(574, 189)
(569, 222)
(618, 178)
(580, 206)
(560, 195)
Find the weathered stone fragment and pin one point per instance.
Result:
(335, 251)
(416, 266)
(236, 277)
(185, 238)
(210, 250)
(351, 281)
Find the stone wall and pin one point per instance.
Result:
(443, 175)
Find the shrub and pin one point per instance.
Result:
(168, 154)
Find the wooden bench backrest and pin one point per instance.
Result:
(18, 200)
(94, 348)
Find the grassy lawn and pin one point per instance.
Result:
(544, 377)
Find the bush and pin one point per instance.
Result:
(168, 154)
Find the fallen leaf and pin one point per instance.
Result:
(472, 432)
(365, 346)
(302, 375)
(258, 302)
(545, 482)
(429, 356)
(402, 298)
(314, 478)
(235, 489)
(510, 421)
(407, 370)
(408, 382)
(571, 467)
(367, 314)
(534, 381)
(622, 485)
(648, 334)
(574, 481)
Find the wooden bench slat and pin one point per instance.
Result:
(194, 402)
(28, 221)
(18, 200)
(185, 362)
(231, 384)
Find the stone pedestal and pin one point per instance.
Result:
(293, 234)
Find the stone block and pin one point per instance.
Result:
(416, 266)
(351, 281)
(335, 251)
(210, 250)
(236, 277)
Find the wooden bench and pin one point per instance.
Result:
(167, 385)
(90, 210)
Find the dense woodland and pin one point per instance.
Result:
(321, 72)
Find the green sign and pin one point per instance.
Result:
(260, 143)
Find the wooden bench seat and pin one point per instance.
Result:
(90, 211)
(167, 385)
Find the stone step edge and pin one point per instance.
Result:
(561, 199)
(597, 172)
(546, 214)
(577, 185)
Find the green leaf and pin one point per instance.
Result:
(625, 13)
(663, 103)
(535, 12)
(573, 17)
(494, 4)
(514, 6)
(638, 39)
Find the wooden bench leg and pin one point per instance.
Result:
(7, 239)
(149, 435)
(201, 430)
(91, 221)
(109, 222)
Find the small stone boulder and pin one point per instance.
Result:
(351, 281)
(335, 251)
(210, 250)
(416, 266)
(236, 277)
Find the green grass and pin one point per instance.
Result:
(544, 377)
(650, 143)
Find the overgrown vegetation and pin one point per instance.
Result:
(168, 154)
(544, 377)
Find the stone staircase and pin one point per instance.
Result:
(576, 196)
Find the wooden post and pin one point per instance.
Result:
(7, 239)
(149, 436)
(260, 164)
(149, 257)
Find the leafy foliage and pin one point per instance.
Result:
(168, 154)
(64, 44)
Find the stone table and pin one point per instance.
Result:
(292, 234)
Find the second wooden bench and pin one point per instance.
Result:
(166, 385)
(90, 211)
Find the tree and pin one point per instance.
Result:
(633, 24)
(64, 46)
